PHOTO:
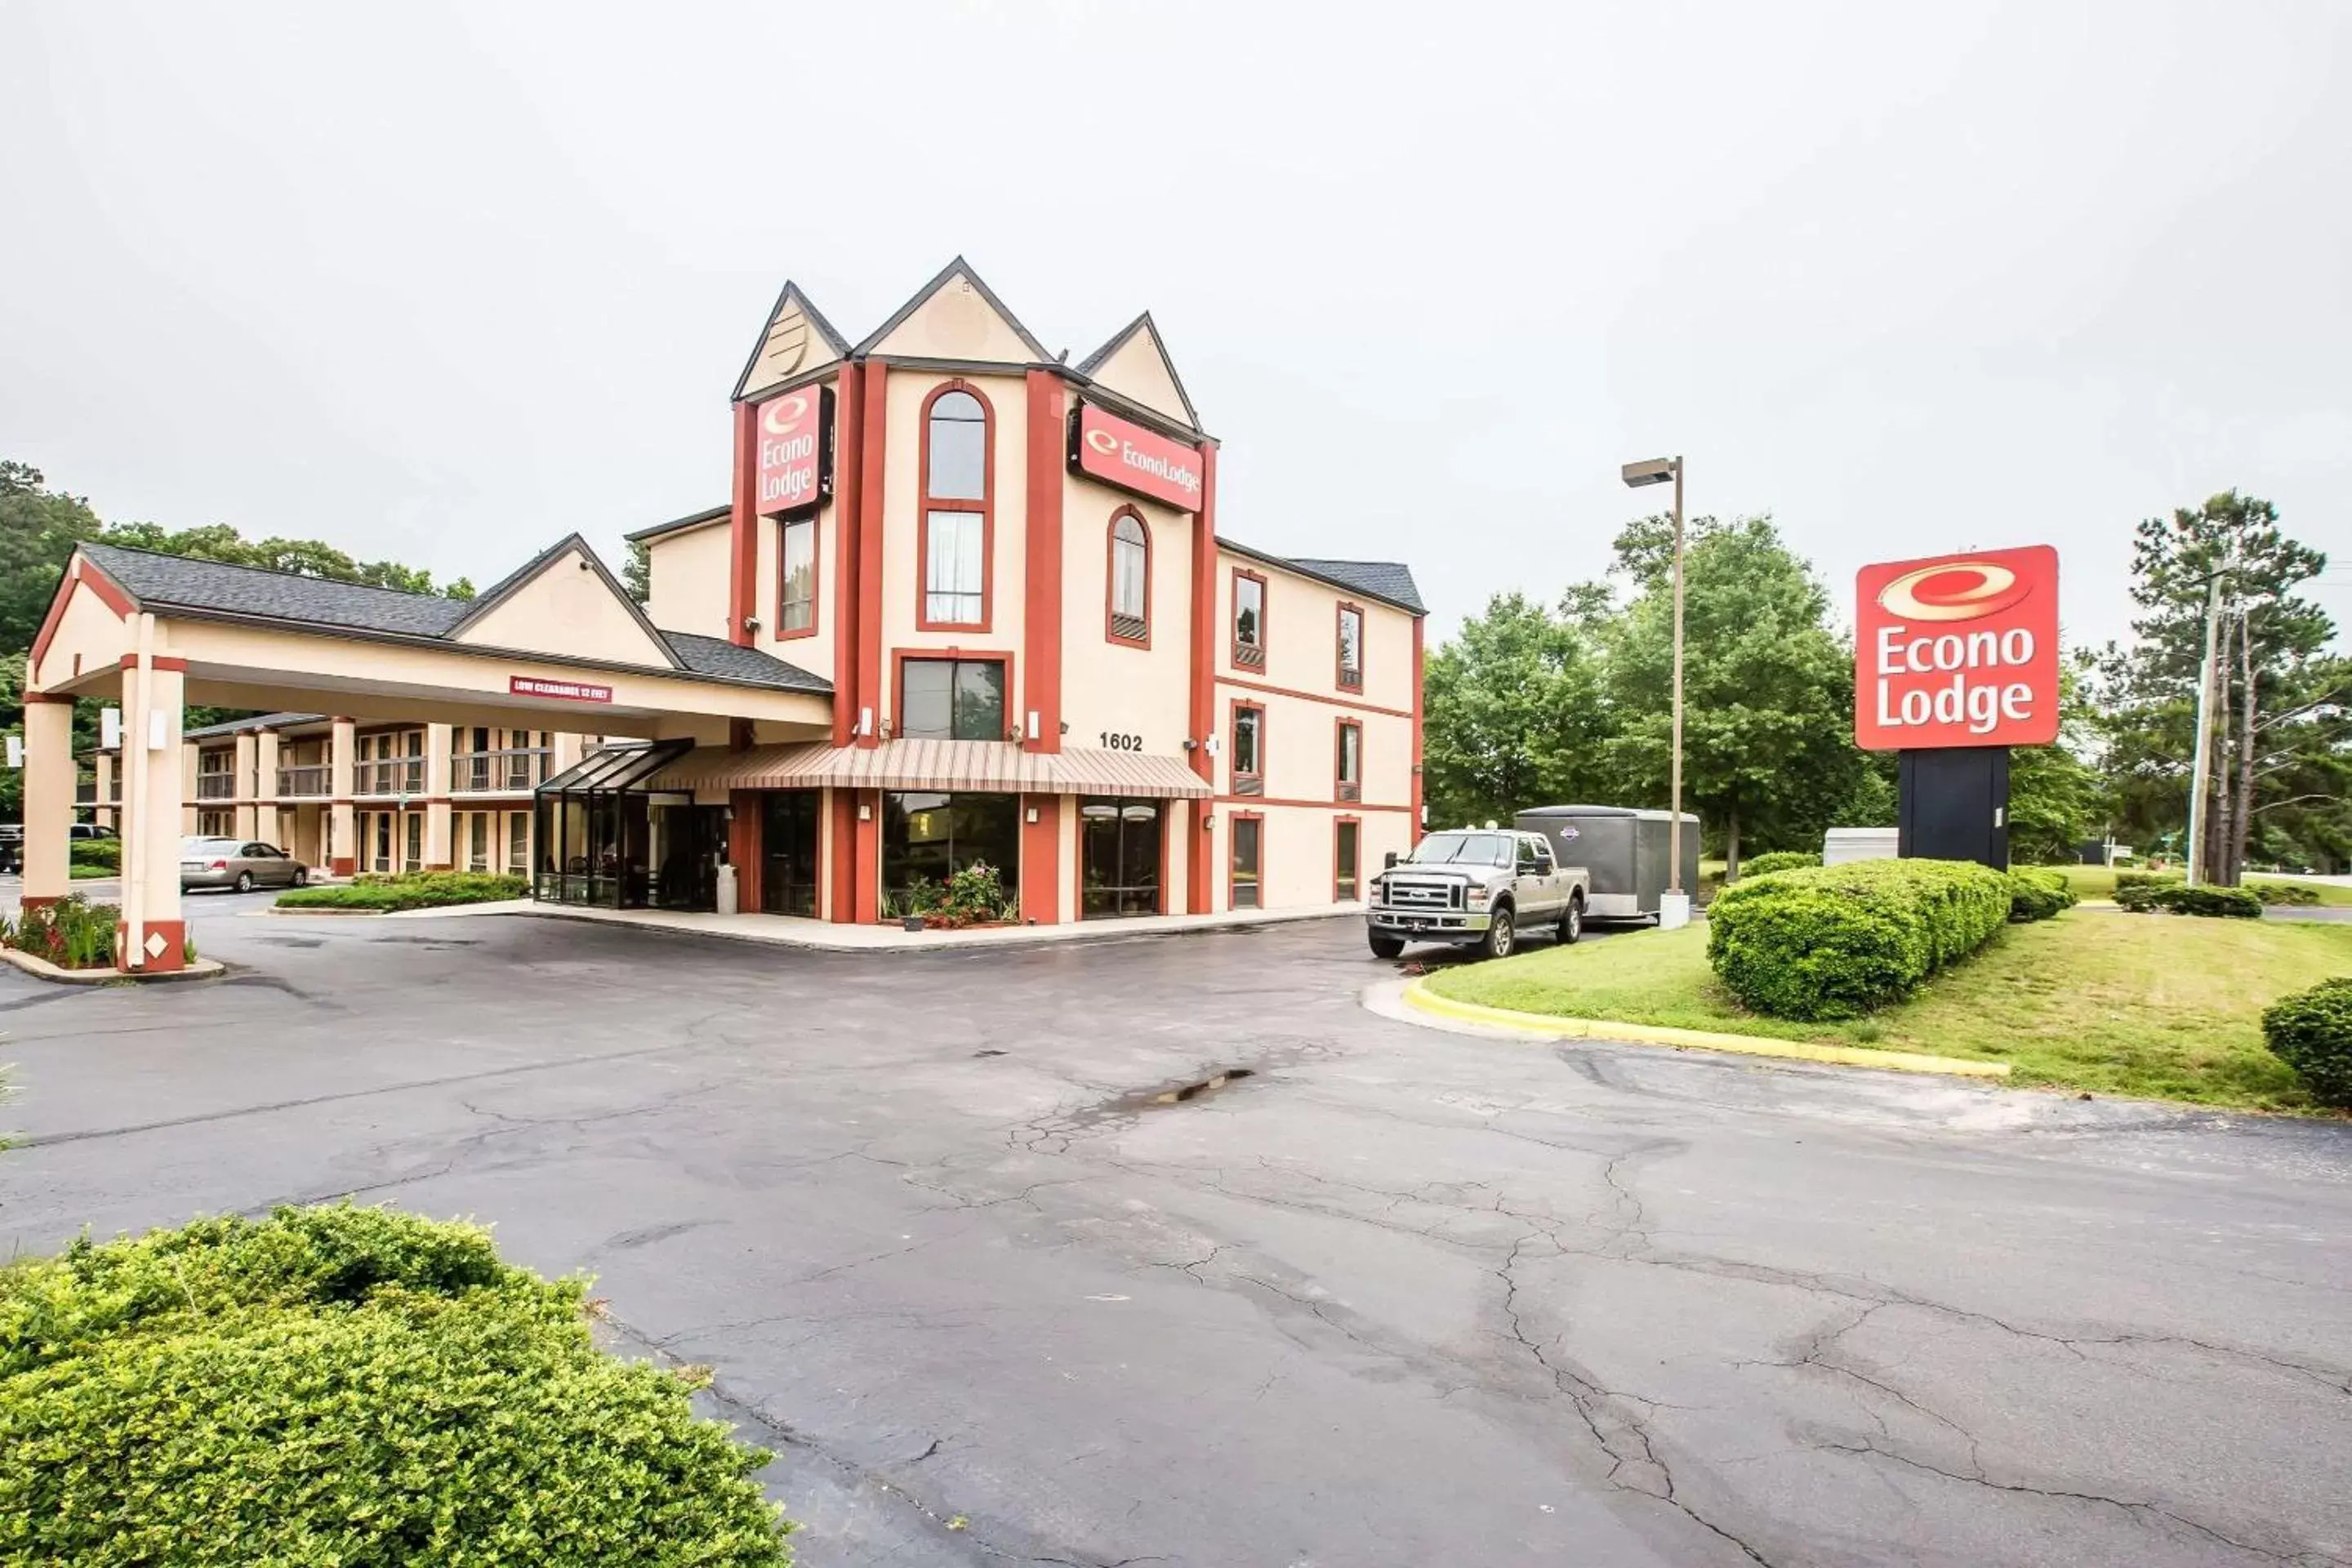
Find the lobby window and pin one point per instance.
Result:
(796, 615)
(951, 700)
(958, 476)
(1249, 620)
(1349, 767)
(1130, 580)
(1351, 649)
(1249, 749)
(927, 837)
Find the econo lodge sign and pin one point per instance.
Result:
(1123, 453)
(795, 450)
(1959, 651)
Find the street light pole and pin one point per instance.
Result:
(1675, 909)
(2195, 860)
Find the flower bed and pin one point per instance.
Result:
(72, 933)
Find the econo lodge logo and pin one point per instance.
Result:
(790, 467)
(783, 417)
(1103, 441)
(1957, 651)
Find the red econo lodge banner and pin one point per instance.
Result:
(1960, 650)
(1121, 452)
(795, 455)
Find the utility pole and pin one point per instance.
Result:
(2198, 773)
(1675, 909)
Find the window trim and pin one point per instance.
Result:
(901, 658)
(1339, 646)
(1234, 774)
(1341, 782)
(1233, 644)
(1344, 819)
(1110, 578)
(784, 525)
(985, 507)
(1233, 817)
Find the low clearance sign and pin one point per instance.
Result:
(795, 450)
(1123, 453)
(1960, 650)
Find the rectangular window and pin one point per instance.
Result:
(1249, 619)
(1352, 648)
(1119, 857)
(927, 837)
(517, 842)
(798, 613)
(1349, 763)
(951, 700)
(478, 841)
(414, 857)
(1245, 895)
(1343, 861)
(954, 588)
(1249, 749)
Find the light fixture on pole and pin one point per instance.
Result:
(1673, 910)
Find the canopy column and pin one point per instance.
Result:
(50, 779)
(150, 935)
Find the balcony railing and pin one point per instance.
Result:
(215, 787)
(512, 770)
(401, 775)
(86, 792)
(304, 782)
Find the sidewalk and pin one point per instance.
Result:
(784, 931)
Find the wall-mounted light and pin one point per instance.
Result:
(1034, 729)
(864, 812)
(1033, 814)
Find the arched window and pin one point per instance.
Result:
(958, 474)
(1129, 584)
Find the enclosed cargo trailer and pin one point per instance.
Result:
(1625, 850)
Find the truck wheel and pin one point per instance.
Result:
(1502, 937)
(1571, 922)
(1384, 946)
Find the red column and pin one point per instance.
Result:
(1041, 860)
(1205, 633)
(866, 857)
(872, 437)
(848, 460)
(1413, 833)
(743, 544)
(745, 848)
(1041, 615)
(842, 849)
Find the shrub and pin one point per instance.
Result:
(972, 896)
(1835, 941)
(2283, 892)
(2038, 893)
(408, 890)
(72, 932)
(2233, 903)
(2147, 879)
(1778, 860)
(2140, 898)
(2311, 1031)
(346, 1385)
(99, 854)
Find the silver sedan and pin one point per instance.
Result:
(243, 863)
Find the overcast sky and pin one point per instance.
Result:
(444, 283)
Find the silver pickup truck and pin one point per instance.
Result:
(1477, 888)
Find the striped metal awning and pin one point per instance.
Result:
(995, 766)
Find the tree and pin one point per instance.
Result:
(1768, 727)
(38, 529)
(637, 570)
(2055, 799)
(1511, 713)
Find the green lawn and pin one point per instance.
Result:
(2156, 1006)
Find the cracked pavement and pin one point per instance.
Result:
(1399, 1297)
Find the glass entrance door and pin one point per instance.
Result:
(788, 848)
(1246, 834)
(1119, 857)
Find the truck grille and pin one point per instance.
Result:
(1397, 894)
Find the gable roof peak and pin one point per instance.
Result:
(789, 300)
(1118, 339)
(956, 268)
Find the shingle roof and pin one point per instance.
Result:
(692, 520)
(258, 721)
(1390, 582)
(177, 582)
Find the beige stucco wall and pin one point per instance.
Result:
(1295, 856)
(790, 345)
(814, 654)
(567, 608)
(88, 631)
(1302, 636)
(1111, 686)
(956, 323)
(1139, 371)
(902, 561)
(687, 574)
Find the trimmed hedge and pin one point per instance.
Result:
(2179, 899)
(2038, 893)
(105, 854)
(1778, 860)
(2148, 879)
(2283, 892)
(1836, 941)
(408, 890)
(349, 1386)
(2311, 1031)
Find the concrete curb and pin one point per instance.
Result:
(42, 969)
(1420, 998)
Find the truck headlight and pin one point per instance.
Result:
(1477, 896)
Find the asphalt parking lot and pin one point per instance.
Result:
(957, 1249)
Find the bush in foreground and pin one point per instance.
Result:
(1778, 860)
(1837, 941)
(95, 854)
(2311, 1031)
(2038, 893)
(2148, 879)
(408, 890)
(2283, 892)
(2179, 899)
(349, 1386)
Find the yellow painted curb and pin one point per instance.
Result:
(1419, 995)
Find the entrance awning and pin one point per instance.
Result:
(993, 766)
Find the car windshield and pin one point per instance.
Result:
(1462, 849)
